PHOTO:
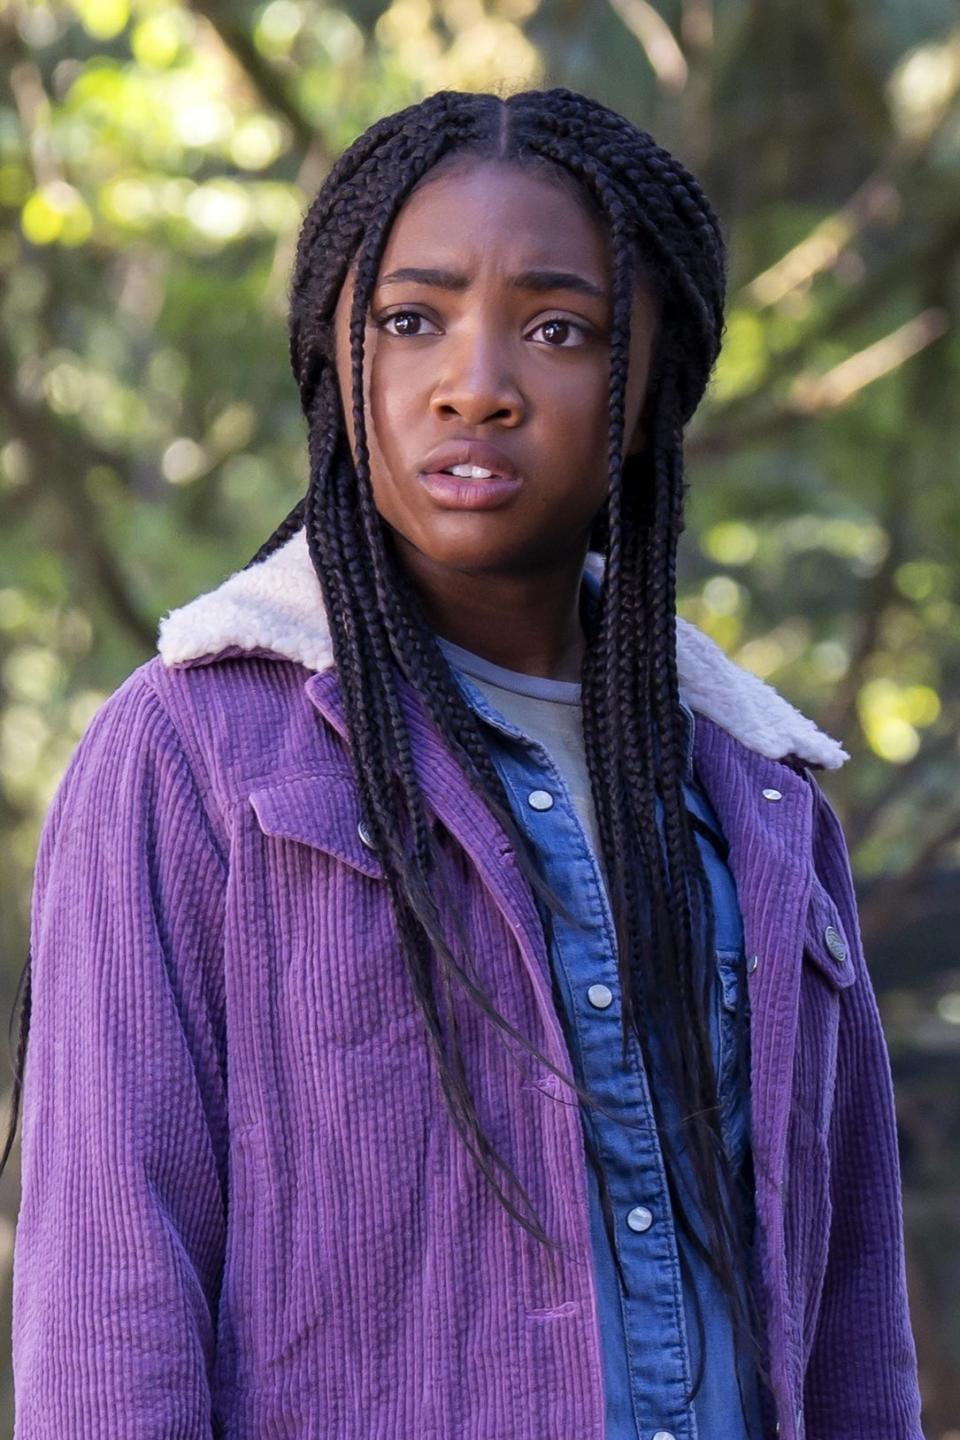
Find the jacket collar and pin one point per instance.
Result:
(276, 607)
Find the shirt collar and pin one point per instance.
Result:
(557, 691)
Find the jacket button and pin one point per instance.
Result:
(640, 1218)
(600, 996)
(752, 964)
(540, 800)
(834, 943)
(771, 794)
(364, 834)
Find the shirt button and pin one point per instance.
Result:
(600, 996)
(834, 943)
(663, 1435)
(364, 834)
(771, 794)
(540, 800)
(640, 1218)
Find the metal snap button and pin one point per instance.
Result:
(600, 996)
(364, 834)
(540, 800)
(834, 943)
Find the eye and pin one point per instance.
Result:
(560, 330)
(408, 323)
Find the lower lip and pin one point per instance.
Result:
(455, 494)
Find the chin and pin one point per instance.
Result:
(471, 544)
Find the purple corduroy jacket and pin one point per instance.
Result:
(245, 1211)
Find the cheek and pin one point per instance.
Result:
(581, 404)
(394, 405)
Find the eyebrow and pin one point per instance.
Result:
(539, 281)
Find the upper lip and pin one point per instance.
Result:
(470, 452)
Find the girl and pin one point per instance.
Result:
(449, 1018)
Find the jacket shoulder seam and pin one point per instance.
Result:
(201, 791)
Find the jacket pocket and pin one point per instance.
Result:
(828, 970)
(826, 946)
(326, 915)
(322, 811)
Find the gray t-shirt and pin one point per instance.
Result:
(548, 711)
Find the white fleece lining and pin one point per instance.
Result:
(278, 606)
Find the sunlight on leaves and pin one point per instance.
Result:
(103, 19)
(892, 715)
(732, 542)
(56, 214)
(743, 359)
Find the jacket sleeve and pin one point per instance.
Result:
(861, 1380)
(120, 1234)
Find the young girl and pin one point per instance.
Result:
(449, 1019)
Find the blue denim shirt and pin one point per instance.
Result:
(648, 1328)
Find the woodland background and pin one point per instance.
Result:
(155, 160)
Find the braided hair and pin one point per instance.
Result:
(659, 224)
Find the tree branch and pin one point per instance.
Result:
(657, 41)
(267, 80)
(61, 451)
(812, 396)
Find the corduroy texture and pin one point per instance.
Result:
(245, 1211)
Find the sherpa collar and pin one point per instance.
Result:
(277, 606)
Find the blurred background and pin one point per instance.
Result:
(155, 161)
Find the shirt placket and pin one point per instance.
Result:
(652, 1331)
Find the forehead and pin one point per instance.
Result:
(500, 215)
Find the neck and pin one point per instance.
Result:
(528, 622)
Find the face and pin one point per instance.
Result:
(491, 324)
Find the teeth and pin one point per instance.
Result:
(471, 472)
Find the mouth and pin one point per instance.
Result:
(464, 474)
(453, 490)
(470, 460)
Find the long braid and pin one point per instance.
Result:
(669, 927)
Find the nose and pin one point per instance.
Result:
(477, 385)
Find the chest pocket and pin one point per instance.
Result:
(827, 970)
(322, 811)
(328, 912)
(826, 946)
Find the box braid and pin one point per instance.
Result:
(659, 220)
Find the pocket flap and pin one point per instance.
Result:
(825, 941)
(318, 810)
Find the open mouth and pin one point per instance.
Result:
(470, 472)
(470, 487)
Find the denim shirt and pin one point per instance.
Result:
(648, 1325)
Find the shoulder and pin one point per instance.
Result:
(131, 764)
